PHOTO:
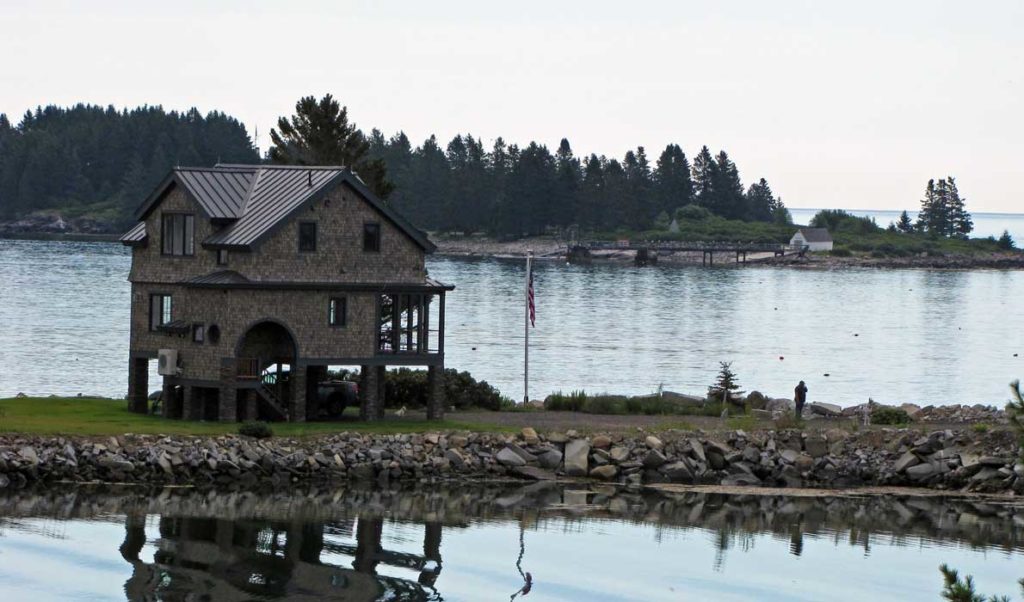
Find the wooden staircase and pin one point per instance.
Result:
(271, 399)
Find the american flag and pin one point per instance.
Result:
(530, 301)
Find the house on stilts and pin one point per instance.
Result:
(248, 281)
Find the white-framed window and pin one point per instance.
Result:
(159, 310)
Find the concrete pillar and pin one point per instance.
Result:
(435, 392)
(368, 390)
(138, 385)
(298, 384)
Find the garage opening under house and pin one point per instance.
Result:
(249, 281)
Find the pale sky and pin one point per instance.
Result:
(837, 104)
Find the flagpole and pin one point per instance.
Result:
(526, 331)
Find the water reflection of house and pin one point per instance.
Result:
(212, 559)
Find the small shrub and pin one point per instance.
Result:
(841, 252)
(605, 404)
(788, 421)
(255, 429)
(560, 402)
(981, 428)
(884, 415)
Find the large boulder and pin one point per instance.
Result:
(550, 459)
(606, 472)
(829, 410)
(756, 400)
(576, 452)
(816, 446)
(510, 458)
(780, 404)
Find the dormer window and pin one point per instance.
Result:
(177, 234)
(307, 237)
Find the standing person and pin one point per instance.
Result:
(800, 396)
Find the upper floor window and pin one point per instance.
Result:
(159, 310)
(337, 311)
(222, 256)
(177, 234)
(371, 237)
(307, 236)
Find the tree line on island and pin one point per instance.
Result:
(102, 162)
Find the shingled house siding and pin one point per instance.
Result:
(148, 265)
(235, 311)
(339, 255)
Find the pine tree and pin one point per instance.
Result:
(960, 222)
(1005, 241)
(319, 133)
(673, 187)
(905, 224)
(725, 384)
(704, 176)
(567, 185)
(761, 203)
(931, 218)
(592, 193)
(727, 190)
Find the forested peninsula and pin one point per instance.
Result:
(90, 166)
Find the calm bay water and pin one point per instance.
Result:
(477, 543)
(923, 336)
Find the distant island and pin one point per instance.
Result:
(84, 169)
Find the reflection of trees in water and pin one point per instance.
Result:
(237, 545)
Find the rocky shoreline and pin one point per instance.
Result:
(953, 460)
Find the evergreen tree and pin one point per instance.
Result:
(960, 222)
(1005, 241)
(704, 176)
(592, 193)
(905, 224)
(761, 203)
(637, 205)
(567, 185)
(319, 133)
(727, 190)
(673, 187)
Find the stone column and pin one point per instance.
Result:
(248, 404)
(167, 397)
(381, 391)
(174, 402)
(368, 390)
(227, 404)
(192, 404)
(138, 385)
(435, 392)
(298, 384)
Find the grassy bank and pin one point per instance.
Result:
(92, 416)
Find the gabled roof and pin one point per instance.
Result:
(221, 193)
(136, 236)
(259, 199)
(815, 234)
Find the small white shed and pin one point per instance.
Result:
(815, 239)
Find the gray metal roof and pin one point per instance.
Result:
(219, 278)
(135, 236)
(815, 234)
(221, 192)
(259, 199)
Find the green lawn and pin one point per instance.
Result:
(90, 416)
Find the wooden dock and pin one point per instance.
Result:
(647, 251)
